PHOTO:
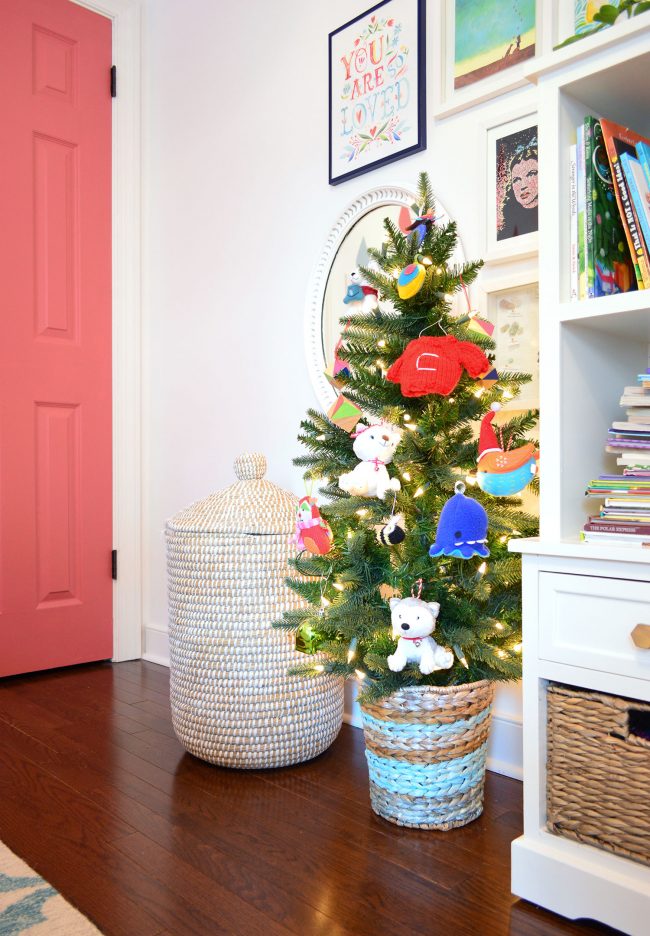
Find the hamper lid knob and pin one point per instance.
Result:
(250, 465)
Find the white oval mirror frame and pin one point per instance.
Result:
(314, 326)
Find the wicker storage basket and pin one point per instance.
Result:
(233, 702)
(598, 770)
(426, 748)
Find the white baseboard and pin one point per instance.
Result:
(155, 645)
(505, 747)
(506, 734)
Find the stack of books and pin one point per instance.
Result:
(610, 210)
(625, 514)
(630, 440)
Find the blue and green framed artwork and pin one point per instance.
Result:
(377, 88)
(490, 37)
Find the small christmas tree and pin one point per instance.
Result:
(347, 616)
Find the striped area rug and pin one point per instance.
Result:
(29, 905)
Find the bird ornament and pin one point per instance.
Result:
(420, 225)
(503, 472)
(313, 533)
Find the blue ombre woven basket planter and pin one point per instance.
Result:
(426, 748)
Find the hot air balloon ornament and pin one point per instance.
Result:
(503, 472)
(313, 533)
(411, 280)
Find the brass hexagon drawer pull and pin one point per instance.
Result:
(641, 636)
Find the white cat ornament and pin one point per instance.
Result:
(375, 445)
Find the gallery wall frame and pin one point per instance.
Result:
(377, 88)
(453, 93)
(510, 198)
(510, 301)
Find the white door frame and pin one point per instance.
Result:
(126, 16)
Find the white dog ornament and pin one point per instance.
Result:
(413, 623)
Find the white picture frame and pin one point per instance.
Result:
(500, 140)
(448, 99)
(511, 303)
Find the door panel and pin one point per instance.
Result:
(55, 336)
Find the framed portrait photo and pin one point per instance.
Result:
(511, 304)
(377, 88)
(511, 188)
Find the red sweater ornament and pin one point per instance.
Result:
(435, 365)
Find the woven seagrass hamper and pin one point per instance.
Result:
(233, 701)
(426, 748)
(598, 770)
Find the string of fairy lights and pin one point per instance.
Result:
(326, 600)
(415, 486)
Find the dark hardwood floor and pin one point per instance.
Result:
(98, 796)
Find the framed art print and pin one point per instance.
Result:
(483, 48)
(377, 88)
(511, 188)
(491, 36)
(512, 306)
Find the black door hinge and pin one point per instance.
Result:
(113, 81)
(114, 564)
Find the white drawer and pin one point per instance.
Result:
(587, 621)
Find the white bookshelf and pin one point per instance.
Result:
(589, 351)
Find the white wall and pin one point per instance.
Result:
(237, 206)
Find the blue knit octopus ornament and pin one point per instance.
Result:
(462, 528)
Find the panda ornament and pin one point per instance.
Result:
(413, 623)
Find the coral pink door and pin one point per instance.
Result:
(55, 336)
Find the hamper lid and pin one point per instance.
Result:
(250, 505)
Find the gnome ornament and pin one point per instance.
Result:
(462, 528)
(413, 623)
(503, 473)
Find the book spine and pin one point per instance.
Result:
(630, 168)
(641, 267)
(580, 162)
(590, 269)
(643, 155)
(574, 274)
(636, 529)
